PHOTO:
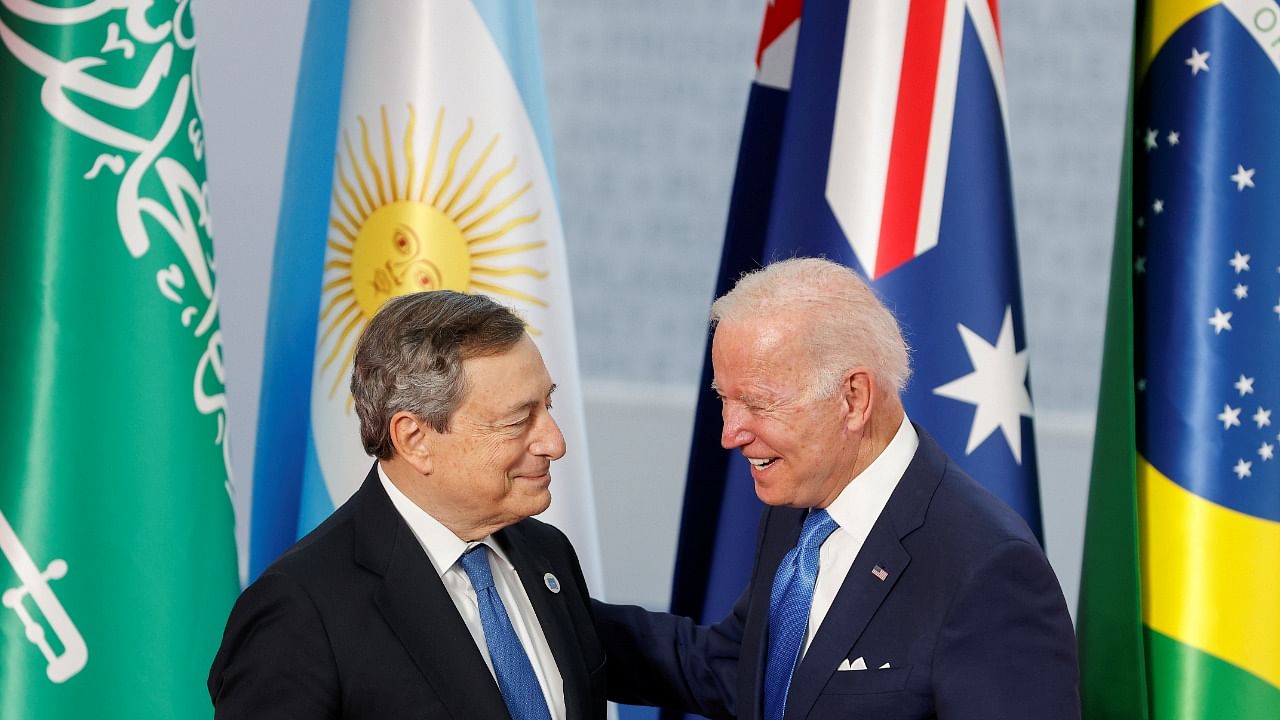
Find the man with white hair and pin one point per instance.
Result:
(887, 583)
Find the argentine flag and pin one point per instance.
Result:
(420, 159)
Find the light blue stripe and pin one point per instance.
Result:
(283, 422)
(634, 712)
(513, 25)
(315, 504)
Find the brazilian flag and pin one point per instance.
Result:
(1180, 599)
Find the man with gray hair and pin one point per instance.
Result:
(431, 592)
(887, 583)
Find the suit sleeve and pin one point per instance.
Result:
(1007, 648)
(275, 660)
(669, 661)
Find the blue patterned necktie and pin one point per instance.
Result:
(519, 686)
(789, 604)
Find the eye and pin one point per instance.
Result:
(404, 242)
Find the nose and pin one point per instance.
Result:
(548, 441)
(733, 433)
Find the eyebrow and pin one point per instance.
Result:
(532, 403)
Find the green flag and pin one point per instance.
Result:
(1178, 604)
(118, 566)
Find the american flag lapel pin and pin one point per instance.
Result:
(880, 573)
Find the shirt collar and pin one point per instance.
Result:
(858, 505)
(441, 545)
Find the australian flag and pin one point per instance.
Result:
(875, 136)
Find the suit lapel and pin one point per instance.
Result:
(419, 611)
(557, 626)
(782, 532)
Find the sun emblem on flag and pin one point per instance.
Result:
(435, 230)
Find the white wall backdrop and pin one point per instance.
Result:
(647, 101)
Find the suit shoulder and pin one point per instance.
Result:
(315, 552)
(972, 515)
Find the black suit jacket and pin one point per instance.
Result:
(969, 617)
(354, 622)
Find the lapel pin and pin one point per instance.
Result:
(551, 582)
(880, 573)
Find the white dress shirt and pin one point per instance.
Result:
(856, 509)
(445, 549)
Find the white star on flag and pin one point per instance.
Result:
(1220, 321)
(1173, 138)
(1198, 61)
(1266, 451)
(997, 387)
(1229, 416)
(1277, 309)
(1244, 385)
(1140, 265)
(1243, 178)
(1150, 140)
(1262, 417)
(1157, 206)
(1240, 262)
(1241, 292)
(1241, 469)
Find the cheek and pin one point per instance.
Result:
(497, 455)
(781, 434)
(803, 440)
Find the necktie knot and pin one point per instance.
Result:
(475, 562)
(818, 526)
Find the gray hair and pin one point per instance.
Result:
(409, 358)
(847, 324)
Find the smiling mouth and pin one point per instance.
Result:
(761, 463)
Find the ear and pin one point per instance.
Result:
(859, 390)
(411, 439)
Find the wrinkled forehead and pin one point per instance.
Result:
(517, 370)
(773, 349)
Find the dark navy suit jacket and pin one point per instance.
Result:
(969, 617)
(354, 622)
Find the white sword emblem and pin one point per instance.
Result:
(36, 585)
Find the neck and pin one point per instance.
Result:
(880, 430)
(875, 436)
(419, 489)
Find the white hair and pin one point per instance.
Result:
(847, 324)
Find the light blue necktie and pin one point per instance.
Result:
(516, 680)
(789, 604)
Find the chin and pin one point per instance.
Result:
(538, 505)
(777, 497)
(768, 496)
